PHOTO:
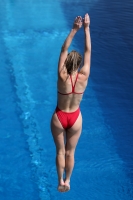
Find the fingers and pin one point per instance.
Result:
(86, 18)
(78, 19)
(78, 22)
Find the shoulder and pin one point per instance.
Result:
(62, 74)
(82, 76)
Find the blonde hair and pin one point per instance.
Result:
(73, 61)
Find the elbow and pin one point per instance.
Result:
(88, 50)
(63, 48)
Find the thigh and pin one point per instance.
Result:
(73, 134)
(58, 133)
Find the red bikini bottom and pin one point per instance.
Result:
(66, 119)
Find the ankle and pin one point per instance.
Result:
(67, 180)
(60, 180)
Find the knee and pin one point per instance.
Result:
(69, 153)
(60, 152)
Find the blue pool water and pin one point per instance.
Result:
(31, 35)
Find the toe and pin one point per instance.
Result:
(66, 187)
(61, 188)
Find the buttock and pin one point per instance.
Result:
(66, 119)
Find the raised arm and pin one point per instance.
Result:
(64, 50)
(85, 70)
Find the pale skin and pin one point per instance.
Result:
(66, 140)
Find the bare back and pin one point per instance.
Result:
(68, 101)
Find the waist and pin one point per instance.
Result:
(67, 111)
(68, 104)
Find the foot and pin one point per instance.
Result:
(66, 186)
(61, 187)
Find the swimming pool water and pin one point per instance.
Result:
(31, 36)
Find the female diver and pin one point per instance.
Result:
(66, 122)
